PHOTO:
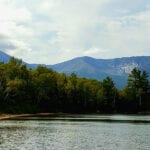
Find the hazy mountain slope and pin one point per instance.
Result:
(4, 57)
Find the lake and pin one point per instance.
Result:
(76, 132)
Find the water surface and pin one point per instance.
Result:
(76, 132)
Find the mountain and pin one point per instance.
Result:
(4, 57)
(118, 69)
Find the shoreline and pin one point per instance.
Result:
(9, 116)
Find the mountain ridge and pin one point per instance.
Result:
(116, 68)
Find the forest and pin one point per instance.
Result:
(24, 90)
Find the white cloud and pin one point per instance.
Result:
(12, 20)
(51, 31)
(96, 52)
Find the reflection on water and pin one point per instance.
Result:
(67, 134)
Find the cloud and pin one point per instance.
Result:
(14, 34)
(52, 31)
(5, 43)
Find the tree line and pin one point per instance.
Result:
(24, 90)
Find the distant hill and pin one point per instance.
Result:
(118, 69)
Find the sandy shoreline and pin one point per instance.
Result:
(9, 116)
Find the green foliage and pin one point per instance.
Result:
(138, 89)
(44, 90)
(108, 95)
(15, 61)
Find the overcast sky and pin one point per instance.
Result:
(52, 31)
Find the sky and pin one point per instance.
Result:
(53, 31)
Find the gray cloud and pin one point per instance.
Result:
(5, 43)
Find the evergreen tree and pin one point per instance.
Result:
(138, 88)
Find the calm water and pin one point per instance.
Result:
(77, 132)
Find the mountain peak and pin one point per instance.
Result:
(117, 68)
